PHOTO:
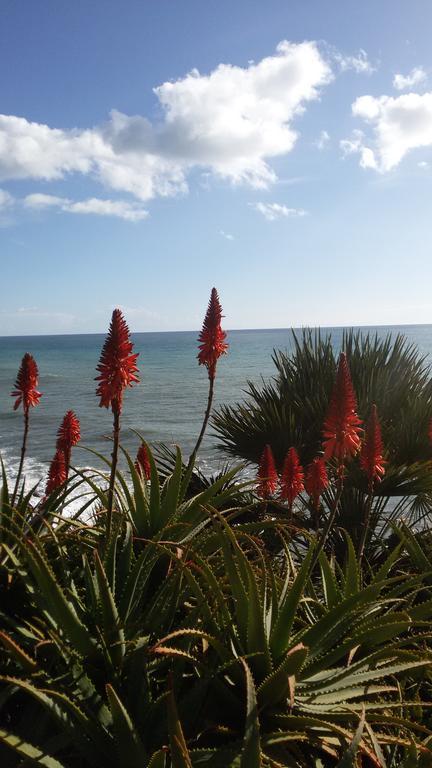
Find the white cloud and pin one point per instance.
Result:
(226, 235)
(6, 200)
(273, 211)
(355, 145)
(423, 164)
(118, 208)
(399, 124)
(322, 140)
(415, 77)
(39, 200)
(230, 122)
(359, 63)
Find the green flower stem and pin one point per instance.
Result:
(23, 452)
(366, 522)
(114, 459)
(205, 422)
(331, 519)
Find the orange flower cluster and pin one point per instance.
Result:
(142, 463)
(69, 432)
(316, 480)
(267, 478)
(342, 425)
(212, 338)
(26, 382)
(68, 435)
(371, 457)
(57, 474)
(342, 441)
(117, 366)
(292, 477)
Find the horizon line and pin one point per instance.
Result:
(228, 330)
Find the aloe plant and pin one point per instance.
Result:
(187, 642)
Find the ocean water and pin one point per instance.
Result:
(168, 404)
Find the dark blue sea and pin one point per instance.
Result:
(167, 405)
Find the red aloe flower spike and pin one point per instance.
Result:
(69, 432)
(371, 457)
(316, 480)
(342, 425)
(292, 477)
(26, 393)
(267, 478)
(212, 338)
(26, 382)
(142, 463)
(117, 366)
(430, 431)
(68, 435)
(57, 474)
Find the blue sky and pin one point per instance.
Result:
(279, 150)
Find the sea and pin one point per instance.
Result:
(166, 406)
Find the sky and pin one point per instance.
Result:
(152, 149)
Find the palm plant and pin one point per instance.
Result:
(289, 411)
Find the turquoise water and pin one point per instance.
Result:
(167, 405)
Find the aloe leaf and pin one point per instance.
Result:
(275, 687)
(171, 491)
(280, 637)
(28, 751)
(349, 757)
(251, 752)
(23, 659)
(139, 510)
(352, 571)
(113, 630)
(136, 582)
(180, 757)
(62, 609)
(158, 760)
(155, 502)
(331, 590)
(128, 744)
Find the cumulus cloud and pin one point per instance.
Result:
(322, 140)
(6, 200)
(274, 211)
(415, 77)
(230, 122)
(399, 125)
(118, 208)
(359, 63)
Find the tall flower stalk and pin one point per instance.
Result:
(211, 346)
(26, 393)
(292, 477)
(57, 473)
(342, 425)
(117, 371)
(142, 462)
(267, 476)
(341, 432)
(316, 481)
(68, 435)
(372, 463)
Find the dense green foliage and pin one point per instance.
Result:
(208, 633)
(179, 621)
(290, 409)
